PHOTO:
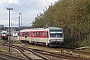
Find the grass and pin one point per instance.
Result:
(3, 50)
(17, 42)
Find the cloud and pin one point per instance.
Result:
(8, 1)
(29, 9)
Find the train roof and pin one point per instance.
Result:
(53, 28)
(40, 29)
(4, 32)
(33, 30)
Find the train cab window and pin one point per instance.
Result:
(56, 34)
(3, 33)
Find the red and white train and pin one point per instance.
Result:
(52, 36)
(4, 35)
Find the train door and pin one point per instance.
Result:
(47, 37)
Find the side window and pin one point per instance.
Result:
(33, 34)
(40, 34)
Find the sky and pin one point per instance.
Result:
(28, 8)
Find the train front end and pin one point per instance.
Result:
(56, 37)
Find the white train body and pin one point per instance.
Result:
(14, 33)
(48, 36)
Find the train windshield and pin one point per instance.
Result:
(56, 33)
(3, 33)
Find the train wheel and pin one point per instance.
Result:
(50, 45)
(22, 41)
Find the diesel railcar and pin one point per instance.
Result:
(4, 35)
(52, 36)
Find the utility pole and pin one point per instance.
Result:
(20, 20)
(19, 25)
(9, 26)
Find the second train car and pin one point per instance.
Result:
(52, 36)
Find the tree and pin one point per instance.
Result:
(71, 15)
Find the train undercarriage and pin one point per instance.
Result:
(52, 44)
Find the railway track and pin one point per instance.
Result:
(81, 52)
(44, 55)
(4, 56)
(33, 55)
(59, 55)
(29, 54)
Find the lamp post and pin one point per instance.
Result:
(21, 17)
(9, 26)
(19, 25)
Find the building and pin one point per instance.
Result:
(1, 26)
(13, 28)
